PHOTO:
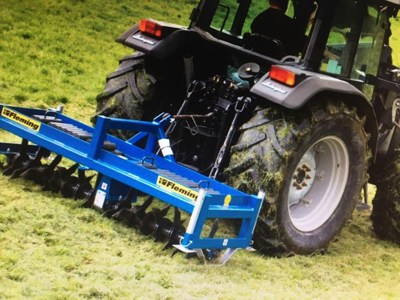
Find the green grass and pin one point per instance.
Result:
(58, 52)
(395, 40)
(53, 249)
(54, 52)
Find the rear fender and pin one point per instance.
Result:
(178, 42)
(315, 87)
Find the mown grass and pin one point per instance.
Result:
(58, 52)
(54, 52)
(51, 248)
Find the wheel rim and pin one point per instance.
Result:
(318, 182)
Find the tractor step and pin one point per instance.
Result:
(124, 167)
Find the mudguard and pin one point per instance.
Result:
(297, 96)
(312, 85)
(178, 41)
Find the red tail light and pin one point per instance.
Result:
(283, 76)
(150, 27)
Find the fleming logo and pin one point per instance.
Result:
(20, 119)
(177, 188)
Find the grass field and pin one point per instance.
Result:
(54, 52)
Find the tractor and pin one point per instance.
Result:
(311, 128)
(223, 122)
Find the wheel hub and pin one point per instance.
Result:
(318, 183)
(303, 179)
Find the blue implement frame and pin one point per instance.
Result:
(139, 168)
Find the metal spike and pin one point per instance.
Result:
(53, 183)
(123, 214)
(163, 230)
(175, 234)
(16, 172)
(153, 220)
(67, 184)
(174, 252)
(214, 228)
(140, 210)
(164, 211)
(90, 195)
(124, 204)
(71, 170)
(178, 222)
(18, 159)
(135, 215)
(42, 174)
(31, 163)
(83, 186)
(148, 224)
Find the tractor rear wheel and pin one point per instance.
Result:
(128, 90)
(312, 165)
(386, 204)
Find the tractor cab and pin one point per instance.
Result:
(340, 38)
(233, 22)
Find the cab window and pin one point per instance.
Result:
(224, 16)
(353, 50)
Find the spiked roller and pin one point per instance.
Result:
(126, 170)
